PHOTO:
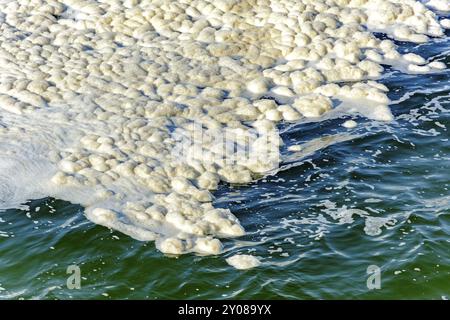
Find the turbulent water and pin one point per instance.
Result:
(349, 190)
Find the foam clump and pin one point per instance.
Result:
(445, 23)
(313, 105)
(243, 261)
(350, 124)
(138, 110)
(441, 5)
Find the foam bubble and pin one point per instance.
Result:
(349, 124)
(243, 261)
(441, 5)
(445, 23)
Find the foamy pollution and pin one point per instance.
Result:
(137, 110)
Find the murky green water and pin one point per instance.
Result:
(398, 171)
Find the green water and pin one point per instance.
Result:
(399, 171)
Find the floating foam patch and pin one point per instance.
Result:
(139, 109)
(243, 261)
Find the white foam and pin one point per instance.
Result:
(441, 5)
(349, 124)
(344, 215)
(373, 225)
(243, 261)
(137, 110)
(445, 23)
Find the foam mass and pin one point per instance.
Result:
(102, 102)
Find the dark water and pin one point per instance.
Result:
(398, 171)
